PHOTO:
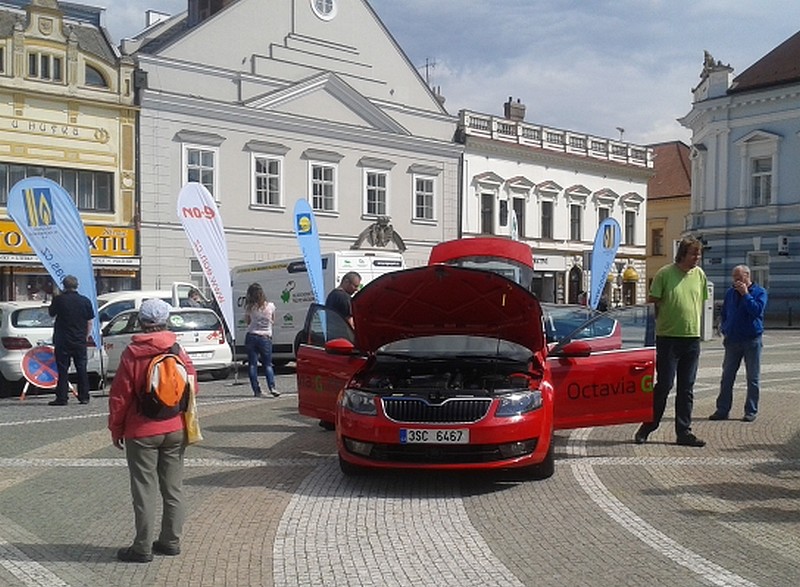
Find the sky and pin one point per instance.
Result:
(589, 66)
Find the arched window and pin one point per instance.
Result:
(94, 78)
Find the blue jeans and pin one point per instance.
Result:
(259, 348)
(675, 356)
(750, 351)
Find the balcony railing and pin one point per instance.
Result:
(553, 139)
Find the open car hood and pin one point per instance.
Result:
(440, 299)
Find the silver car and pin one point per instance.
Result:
(25, 325)
(199, 332)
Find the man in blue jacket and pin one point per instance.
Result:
(741, 323)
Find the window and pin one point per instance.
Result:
(323, 187)
(758, 262)
(198, 278)
(2, 59)
(547, 219)
(324, 9)
(92, 191)
(487, 213)
(519, 210)
(200, 166)
(575, 222)
(423, 198)
(761, 181)
(657, 242)
(630, 227)
(45, 67)
(376, 190)
(602, 214)
(266, 180)
(94, 78)
(503, 212)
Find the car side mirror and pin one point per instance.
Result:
(575, 348)
(340, 346)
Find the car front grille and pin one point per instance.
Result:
(451, 454)
(450, 411)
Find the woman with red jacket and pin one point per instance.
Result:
(153, 448)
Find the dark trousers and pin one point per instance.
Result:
(675, 356)
(65, 353)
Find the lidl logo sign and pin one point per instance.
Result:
(39, 207)
(303, 224)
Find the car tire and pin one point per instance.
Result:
(218, 374)
(95, 382)
(349, 469)
(546, 468)
(10, 388)
(325, 425)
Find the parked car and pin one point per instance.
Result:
(111, 304)
(450, 368)
(199, 332)
(24, 325)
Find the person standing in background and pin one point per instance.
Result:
(339, 298)
(259, 315)
(742, 324)
(73, 325)
(678, 292)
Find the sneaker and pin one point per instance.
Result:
(56, 402)
(160, 548)
(641, 435)
(274, 392)
(690, 439)
(718, 416)
(749, 418)
(128, 555)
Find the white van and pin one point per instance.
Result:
(111, 304)
(286, 284)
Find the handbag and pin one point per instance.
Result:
(191, 422)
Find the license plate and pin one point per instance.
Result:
(201, 355)
(434, 436)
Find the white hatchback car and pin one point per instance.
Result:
(24, 325)
(199, 332)
(111, 304)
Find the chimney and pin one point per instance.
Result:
(514, 110)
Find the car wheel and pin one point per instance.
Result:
(95, 382)
(349, 469)
(10, 388)
(220, 373)
(546, 468)
(325, 425)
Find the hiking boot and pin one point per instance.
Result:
(128, 555)
(160, 548)
(690, 439)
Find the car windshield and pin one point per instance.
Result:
(455, 346)
(188, 320)
(32, 318)
(561, 321)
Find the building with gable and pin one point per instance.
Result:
(265, 102)
(551, 188)
(67, 113)
(745, 202)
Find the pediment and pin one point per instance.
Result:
(331, 99)
(488, 178)
(758, 136)
(549, 187)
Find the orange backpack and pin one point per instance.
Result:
(167, 386)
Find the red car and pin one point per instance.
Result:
(449, 367)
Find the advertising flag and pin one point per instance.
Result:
(606, 243)
(49, 220)
(305, 226)
(202, 223)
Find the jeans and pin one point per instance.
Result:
(675, 356)
(750, 351)
(64, 354)
(259, 348)
(155, 464)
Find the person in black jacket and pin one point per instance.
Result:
(73, 325)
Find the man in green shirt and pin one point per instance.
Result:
(678, 291)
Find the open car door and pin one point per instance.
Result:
(603, 369)
(326, 360)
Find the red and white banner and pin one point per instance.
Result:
(202, 223)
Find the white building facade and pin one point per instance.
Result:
(559, 186)
(266, 102)
(745, 176)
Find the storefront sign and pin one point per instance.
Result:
(549, 263)
(104, 241)
(57, 129)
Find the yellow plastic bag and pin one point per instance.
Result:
(191, 423)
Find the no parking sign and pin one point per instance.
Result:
(39, 367)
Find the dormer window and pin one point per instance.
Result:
(45, 67)
(94, 78)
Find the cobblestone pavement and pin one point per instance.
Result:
(268, 506)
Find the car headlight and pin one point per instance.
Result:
(360, 402)
(521, 402)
